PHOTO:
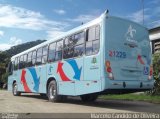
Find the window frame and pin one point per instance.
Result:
(61, 40)
(29, 59)
(87, 29)
(67, 47)
(45, 54)
(52, 60)
(78, 32)
(25, 61)
(16, 63)
(33, 64)
(21, 62)
(79, 44)
(39, 56)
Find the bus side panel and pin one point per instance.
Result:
(86, 87)
(92, 70)
(69, 75)
(39, 78)
(43, 78)
(66, 88)
(10, 82)
(91, 82)
(62, 72)
(28, 79)
(16, 76)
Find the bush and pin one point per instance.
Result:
(4, 78)
(156, 75)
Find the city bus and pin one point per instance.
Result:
(108, 55)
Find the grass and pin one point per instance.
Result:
(133, 97)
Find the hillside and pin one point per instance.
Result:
(5, 57)
(22, 47)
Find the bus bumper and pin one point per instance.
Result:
(114, 87)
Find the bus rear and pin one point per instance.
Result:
(127, 56)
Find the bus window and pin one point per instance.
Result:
(51, 53)
(69, 43)
(79, 45)
(92, 41)
(66, 48)
(44, 54)
(29, 60)
(59, 48)
(91, 34)
(34, 57)
(88, 48)
(95, 46)
(97, 32)
(25, 61)
(10, 68)
(79, 38)
(16, 64)
(78, 50)
(39, 56)
(21, 62)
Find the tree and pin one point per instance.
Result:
(4, 59)
(156, 74)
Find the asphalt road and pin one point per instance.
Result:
(34, 103)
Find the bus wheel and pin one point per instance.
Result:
(14, 91)
(89, 97)
(52, 92)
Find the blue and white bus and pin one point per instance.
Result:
(108, 55)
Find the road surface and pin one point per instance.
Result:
(34, 103)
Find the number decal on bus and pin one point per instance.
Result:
(118, 54)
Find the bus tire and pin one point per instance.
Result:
(14, 90)
(89, 97)
(52, 92)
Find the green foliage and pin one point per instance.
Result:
(156, 66)
(134, 97)
(156, 75)
(4, 58)
(22, 47)
(4, 77)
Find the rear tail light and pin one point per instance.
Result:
(150, 73)
(109, 70)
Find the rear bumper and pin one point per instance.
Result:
(123, 91)
(118, 86)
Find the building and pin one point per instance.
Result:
(154, 35)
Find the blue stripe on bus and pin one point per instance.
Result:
(77, 70)
(35, 78)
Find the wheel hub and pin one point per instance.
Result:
(52, 92)
(15, 89)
